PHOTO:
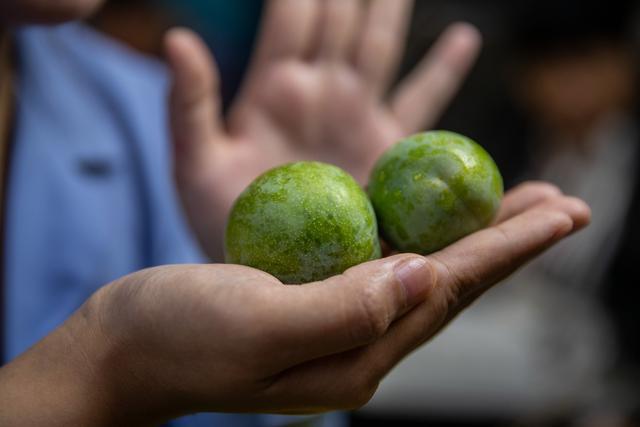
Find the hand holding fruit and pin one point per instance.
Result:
(308, 221)
(175, 340)
(302, 222)
(316, 90)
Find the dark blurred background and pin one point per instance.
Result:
(554, 96)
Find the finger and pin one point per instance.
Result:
(195, 97)
(425, 93)
(525, 196)
(346, 311)
(468, 268)
(338, 28)
(348, 380)
(382, 41)
(287, 30)
(490, 255)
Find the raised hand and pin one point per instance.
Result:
(176, 340)
(317, 89)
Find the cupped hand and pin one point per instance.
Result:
(175, 340)
(316, 90)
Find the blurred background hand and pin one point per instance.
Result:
(317, 89)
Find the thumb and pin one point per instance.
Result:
(349, 310)
(195, 97)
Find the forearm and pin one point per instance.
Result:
(63, 381)
(51, 384)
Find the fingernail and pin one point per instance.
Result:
(416, 277)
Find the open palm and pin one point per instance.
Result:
(316, 90)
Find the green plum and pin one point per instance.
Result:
(432, 189)
(302, 222)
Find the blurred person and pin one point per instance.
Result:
(89, 200)
(228, 28)
(121, 20)
(578, 82)
(545, 347)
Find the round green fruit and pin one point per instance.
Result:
(302, 222)
(432, 189)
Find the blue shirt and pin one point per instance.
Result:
(90, 196)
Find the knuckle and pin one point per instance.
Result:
(373, 317)
(560, 223)
(287, 79)
(545, 190)
(287, 90)
(502, 233)
(456, 281)
(382, 40)
(363, 390)
(460, 287)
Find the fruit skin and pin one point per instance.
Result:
(302, 222)
(432, 189)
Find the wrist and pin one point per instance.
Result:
(127, 361)
(57, 382)
(82, 374)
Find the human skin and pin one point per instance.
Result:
(317, 89)
(183, 339)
